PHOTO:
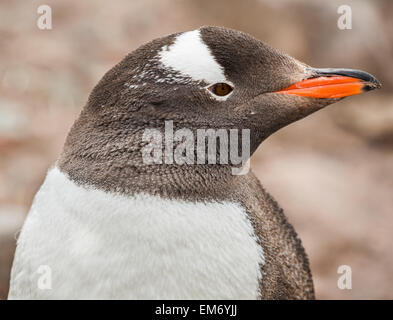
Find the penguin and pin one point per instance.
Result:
(106, 224)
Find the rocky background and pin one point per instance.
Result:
(332, 172)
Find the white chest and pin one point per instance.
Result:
(101, 245)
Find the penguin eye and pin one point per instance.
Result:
(220, 89)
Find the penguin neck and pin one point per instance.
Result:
(112, 161)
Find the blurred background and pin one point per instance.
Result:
(331, 172)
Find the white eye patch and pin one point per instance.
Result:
(190, 56)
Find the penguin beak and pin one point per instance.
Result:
(333, 83)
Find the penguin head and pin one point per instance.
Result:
(216, 77)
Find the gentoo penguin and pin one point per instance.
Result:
(106, 224)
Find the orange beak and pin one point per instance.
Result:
(333, 83)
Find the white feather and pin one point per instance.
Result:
(109, 246)
(190, 56)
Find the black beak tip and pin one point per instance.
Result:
(369, 87)
(371, 82)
